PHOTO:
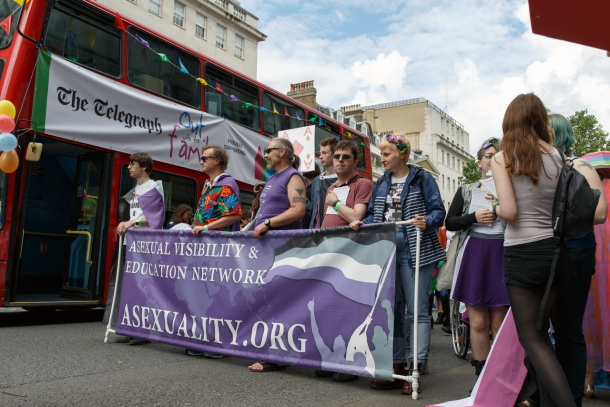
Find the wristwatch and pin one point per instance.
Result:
(267, 223)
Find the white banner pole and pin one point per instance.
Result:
(116, 281)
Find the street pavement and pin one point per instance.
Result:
(60, 359)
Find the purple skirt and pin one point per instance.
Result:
(479, 280)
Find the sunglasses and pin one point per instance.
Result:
(269, 149)
(133, 164)
(489, 156)
(205, 157)
(342, 156)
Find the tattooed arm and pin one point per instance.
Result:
(586, 169)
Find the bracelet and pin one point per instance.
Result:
(335, 203)
(205, 228)
(494, 207)
(139, 222)
(337, 206)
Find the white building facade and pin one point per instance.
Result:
(219, 29)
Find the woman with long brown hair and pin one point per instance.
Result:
(526, 172)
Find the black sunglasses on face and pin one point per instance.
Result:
(342, 156)
(269, 149)
(205, 157)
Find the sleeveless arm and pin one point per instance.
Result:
(586, 169)
(296, 196)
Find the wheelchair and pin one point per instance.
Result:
(460, 331)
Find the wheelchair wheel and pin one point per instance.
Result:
(460, 332)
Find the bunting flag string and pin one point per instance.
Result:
(162, 58)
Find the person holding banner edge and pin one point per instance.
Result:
(402, 193)
(352, 208)
(147, 210)
(219, 206)
(282, 204)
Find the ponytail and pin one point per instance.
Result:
(293, 159)
(296, 162)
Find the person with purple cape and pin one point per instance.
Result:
(219, 207)
(146, 210)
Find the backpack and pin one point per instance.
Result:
(573, 214)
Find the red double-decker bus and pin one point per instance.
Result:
(59, 214)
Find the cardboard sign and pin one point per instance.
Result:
(303, 141)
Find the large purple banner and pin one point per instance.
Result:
(320, 298)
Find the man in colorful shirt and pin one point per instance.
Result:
(219, 207)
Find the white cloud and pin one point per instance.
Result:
(404, 49)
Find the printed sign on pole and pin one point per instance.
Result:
(303, 141)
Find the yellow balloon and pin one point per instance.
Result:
(7, 108)
(9, 161)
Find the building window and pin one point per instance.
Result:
(453, 162)
(453, 185)
(443, 182)
(459, 165)
(154, 6)
(200, 25)
(442, 123)
(178, 14)
(239, 46)
(221, 33)
(443, 155)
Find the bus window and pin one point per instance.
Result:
(325, 131)
(274, 123)
(361, 155)
(220, 104)
(81, 39)
(246, 198)
(7, 8)
(3, 182)
(176, 189)
(146, 70)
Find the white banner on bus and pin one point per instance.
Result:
(303, 141)
(74, 103)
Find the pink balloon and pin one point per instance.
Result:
(7, 124)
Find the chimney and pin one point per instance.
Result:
(353, 110)
(305, 93)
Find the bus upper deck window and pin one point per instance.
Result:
(274, 123)
(220, 104)
(84, 40)
(361, 154)
(147, 70)
(7, 8)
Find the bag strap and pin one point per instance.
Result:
(549, 283)
(422, 174)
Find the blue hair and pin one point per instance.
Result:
(564, 134)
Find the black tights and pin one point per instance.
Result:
(552, 383)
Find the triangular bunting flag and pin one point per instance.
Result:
(298, 118)
(118, 22)
(275, 110)
(247, 105)
(340, 129)
(6, 24)
(286, 112)
(72, 38)
(262, 109)
(362, 143)
(321, 122)
(218, 87)
(20, 2)
(232, 98)
(348, 134)
(139, 42)
(182, 68)
(202, 81)
(313, 119)
(91, 34)
(161, 59)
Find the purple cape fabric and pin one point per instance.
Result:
(153, 206)
(226, 180)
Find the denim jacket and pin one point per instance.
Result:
(430, 206)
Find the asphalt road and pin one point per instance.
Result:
(60, 359)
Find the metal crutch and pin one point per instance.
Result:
(414, 378)
(116, 282)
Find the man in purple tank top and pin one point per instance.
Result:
(283, 198)
(282, 204)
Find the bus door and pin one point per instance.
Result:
(61, 254)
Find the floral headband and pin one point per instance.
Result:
(399, 141)
(486, 145)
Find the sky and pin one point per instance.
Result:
(369, 52)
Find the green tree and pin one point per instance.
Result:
(470, 173)
(590, 135)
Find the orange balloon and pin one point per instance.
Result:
(9, 161)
